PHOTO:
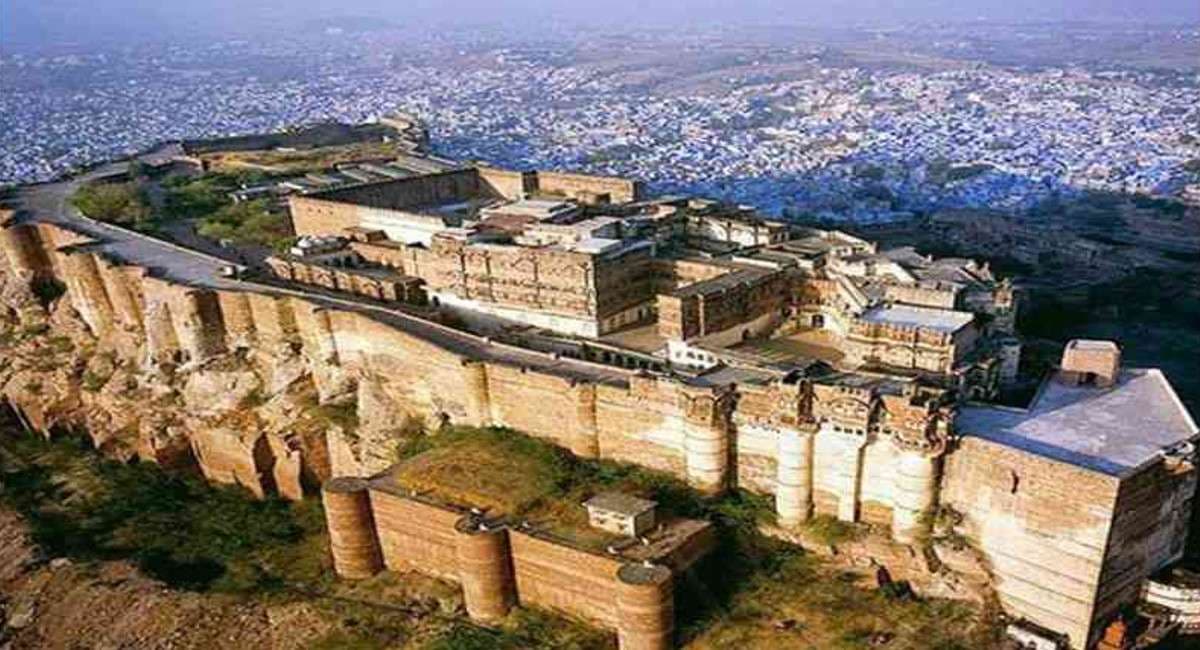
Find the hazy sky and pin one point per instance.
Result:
(32, 22)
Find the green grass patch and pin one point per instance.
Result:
(247, 223)
(181, 530)
(123, 204)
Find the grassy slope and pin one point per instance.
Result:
(753, 592)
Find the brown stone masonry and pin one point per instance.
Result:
(496, 566)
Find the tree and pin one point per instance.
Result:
(246, 223)
(119, 203)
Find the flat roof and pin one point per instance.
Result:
(942, 320)
(738, 276)
(1113, 430)
(620, 502)
(1093, 345)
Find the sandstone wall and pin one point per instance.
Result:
(315, 216)
(509, 184)
(1042, 524)
(496, 566)
(722, 303)
(565, 579)
(944, 297)
(1148, 532)
(573, 185)
(415, 536)
(655, 422)
(334, 210)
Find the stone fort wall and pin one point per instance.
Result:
(1059, 557)
(373, 528)
(332, 211)
(1067, 547)
(696, 433)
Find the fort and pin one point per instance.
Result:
(684, 336)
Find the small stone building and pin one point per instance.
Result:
(619, 513)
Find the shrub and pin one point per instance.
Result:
(246, 223)
(181, 530)
(119, 203)
(190, 200)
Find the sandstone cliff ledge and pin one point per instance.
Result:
(277, 390)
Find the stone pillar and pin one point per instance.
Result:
(479, 401)
(484, 569)
(125, 300)
(86, 290)
(645, 608)
(161, 343)
(316, 333)
(705, 450)
(914, 494)
(841, 461)
(793, 477)
(199, 329)
(238, 318)
(21, 246)
(585, 442)
(706, 443)
(353, 540)
(274, 319)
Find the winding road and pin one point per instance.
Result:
(50, 203)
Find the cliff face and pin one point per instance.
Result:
(276, 390)
(95, 357)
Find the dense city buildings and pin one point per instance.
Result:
(788, 129)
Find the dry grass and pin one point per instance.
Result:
(484, 471)
(805, 604)
(299, 161)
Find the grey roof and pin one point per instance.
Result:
(626, 504)
(1111, 430)
(942, 320)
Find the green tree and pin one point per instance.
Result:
(119, 203)
(192, 200)
(247, 223)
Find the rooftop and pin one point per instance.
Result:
(619, 502)
(942, 320)
(1112, 430)
(1093, 345)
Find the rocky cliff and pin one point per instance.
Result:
(244, 413)
(277, 389)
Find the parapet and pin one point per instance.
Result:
(1090, 362)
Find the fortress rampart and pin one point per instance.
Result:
(373, 527)
(1068, 544)
(335, 210)
(654, 421)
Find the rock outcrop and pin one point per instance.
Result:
(242, 411)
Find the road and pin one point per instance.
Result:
(50, 203)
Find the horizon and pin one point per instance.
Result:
(107, 23)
